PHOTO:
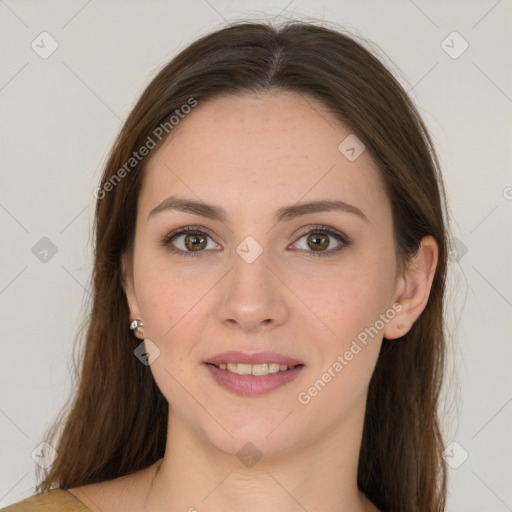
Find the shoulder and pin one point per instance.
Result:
(55, 500)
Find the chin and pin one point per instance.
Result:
(255, 435)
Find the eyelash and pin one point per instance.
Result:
(325, 230)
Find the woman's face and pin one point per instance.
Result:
(257, 276)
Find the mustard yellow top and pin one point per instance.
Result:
(55, 500)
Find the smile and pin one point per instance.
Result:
(252, 374)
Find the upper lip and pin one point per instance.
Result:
(256, 358)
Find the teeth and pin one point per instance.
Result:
(253, 369)
(260, 369)
(243, 369)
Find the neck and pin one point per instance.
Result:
(196, 476)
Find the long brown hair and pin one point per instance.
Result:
(116, 423)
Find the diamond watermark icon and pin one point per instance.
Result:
(351, 147)
(44, 455)
(249, 249)
(146, 352)
(44, 250)
(457, 249)
(455, 455)
(249, 455)
(454, 45)
(44, 45)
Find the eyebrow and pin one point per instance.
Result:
(215, 212)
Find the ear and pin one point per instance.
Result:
(129, 289)
(413, 288)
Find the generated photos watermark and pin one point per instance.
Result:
(159, 133)
(304, 397)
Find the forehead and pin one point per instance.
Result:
(283, 145)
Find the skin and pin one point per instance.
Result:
(253, 154)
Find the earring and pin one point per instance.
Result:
(137, 326)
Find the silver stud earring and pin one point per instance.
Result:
(137, 326)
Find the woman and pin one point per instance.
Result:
(267, 326)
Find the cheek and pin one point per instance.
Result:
(355, 306)
(350, 299)
(345, 358)
(166, 293)
(169, 305)
(175, 303)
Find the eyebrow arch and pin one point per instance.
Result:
(215, 212)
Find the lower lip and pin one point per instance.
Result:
(252, 385)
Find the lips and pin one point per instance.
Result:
(252, 374)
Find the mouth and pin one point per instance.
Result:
(253, 374)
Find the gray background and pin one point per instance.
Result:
(60, 115)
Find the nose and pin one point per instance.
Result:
(253, 296)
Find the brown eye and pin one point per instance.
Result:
(318, 241)
(322, 241)
(195, 242)
(189, 241)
